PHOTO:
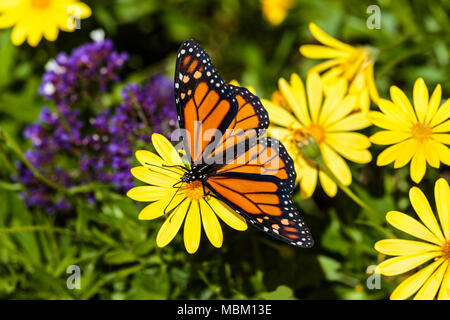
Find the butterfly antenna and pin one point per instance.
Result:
(165, 167)
(171, 199)
(179, 166)
(175, 185)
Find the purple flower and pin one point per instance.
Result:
(72, 147)
(87, 72)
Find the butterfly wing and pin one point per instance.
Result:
(205, 104)
(258, 180)
(258, 185)
(250, 122)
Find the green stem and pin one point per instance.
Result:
(346, 189)
(34, 228)
(15, 147)
(10, 186)
(5, 159)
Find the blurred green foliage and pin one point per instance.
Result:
(117, 253)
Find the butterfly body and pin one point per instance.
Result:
(223, 137)
(197, 173)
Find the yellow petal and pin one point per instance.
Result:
(35, 33)
(353, 152)
(279, 115)
(19, 33)
(153, 210)
(418, 166)
(228, 215)
(326, 65)
(172, 224)
(192, 228)
(327, 40)
(394, 113)
(423, 210)
(50, 31)
(156, 163)
(296, 98)
(420, 96)
(444, 293)
(83, 10)
(441, 137)
(279, 133)
(161, 207)
(370, 79)
(147, 158)
(352, 140)
(149, 193)
(443, 127)
(406, 150)
(314, 51)
(343, 109)
(381, 120)
(314, 91)
(389, 137)
(336, 164)
(355, 155)
(308, 181)
(330, 77)
(442, 114)
(400, 247)
(410, 285)
(431, 155)
(399, 98)
(149, 176)
(328, 184)
(332, 101)
(411, 226)
(364, 101)
(388, 155)
(166, 150)
(431, 286)
(442, 198)
(442, 150)
(211, 224)
(8, 19)
(434, 103)
(356, 121)
(402, 264)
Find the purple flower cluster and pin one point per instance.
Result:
(87, 72)
(145, 109)
(73, 148)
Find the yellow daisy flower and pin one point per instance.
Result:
(275, 11)
(180, 201)
(33, 19)
(329, 121)
(419, 133)
(410, 253)
(353, 64)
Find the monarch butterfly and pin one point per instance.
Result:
(257, 180)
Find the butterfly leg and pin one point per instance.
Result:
(166, 213)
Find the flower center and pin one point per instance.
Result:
(300, 137)
(40, 4)
(446, 250)
(194, 190)
(421, 132)
(317, 132)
